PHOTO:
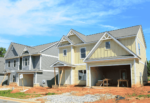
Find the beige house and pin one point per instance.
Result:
(113, 55)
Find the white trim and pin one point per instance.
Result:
(13, 63)
(81, 64)
(136, 46)
(76, 35)
(12, 58)
(85, 43)
(125, 37)
(58, 75)
(71, 76)
(86, 75)
(50, 70)
(67, 40)
(135, 71)
(98, 43)
(58, 62)
(64, 46)
(110, 59)
(18, 63)
(30, 62)
(72, 55)
(40, 62)
(49, 55)
(25, 49)
(140, 42)
(141, 62)
(48, 47)
(80, 52)
(109, 65)
(58, 54)
(63, 52)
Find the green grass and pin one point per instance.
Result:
(19, 95)
(50, 93)
(148, 96)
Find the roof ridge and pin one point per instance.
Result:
(113, 30)
(78, 32)
(23, 45)
(46, 43)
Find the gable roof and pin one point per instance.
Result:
(59, 63)
(66, 38)
(110, 36)
(32, 50)
(129, 31)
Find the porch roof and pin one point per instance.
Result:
(61, 64)
(22, 71)
(109, 58)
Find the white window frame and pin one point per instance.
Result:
(105, 45)
(25, 61)
(8, 64)
(66, 52)
(80, 52)
(82, 75)
(139, 49)
(14, 64)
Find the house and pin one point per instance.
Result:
(3, 77)
(31, 62)
(113, 55)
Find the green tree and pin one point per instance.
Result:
(148, 67)
(2, 51)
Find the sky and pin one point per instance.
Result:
(36, 22)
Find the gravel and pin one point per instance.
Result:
(68, 98)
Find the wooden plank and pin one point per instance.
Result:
(3, 79)
(55, 75)
(61, 76)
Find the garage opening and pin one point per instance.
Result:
(100, 76)
(27, 80)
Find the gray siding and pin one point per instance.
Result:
(23, 66)
(11, 53)
(35, 62)
(47, 62)
(48, 77)
(51, 51)
(11, 64)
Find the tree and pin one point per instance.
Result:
(148, 67)
(2, 51)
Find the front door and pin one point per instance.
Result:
(67, 77)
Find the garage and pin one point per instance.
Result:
(112, 74)
(27, 80)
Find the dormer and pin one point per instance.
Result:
(25, 51)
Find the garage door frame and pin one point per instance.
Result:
(25, 73)
(109, 65)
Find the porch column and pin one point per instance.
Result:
(55, 75)
(61, 76)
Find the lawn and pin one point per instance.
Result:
(20, 95)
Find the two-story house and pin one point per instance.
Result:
(113, 55)
(32, 62)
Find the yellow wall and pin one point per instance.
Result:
(129, 43)
(66, 58)
(75, 39)
(140, 36)
(115, 50)
(77, 58)
(112, 63)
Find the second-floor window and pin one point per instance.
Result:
(8, 63)
(64, 52)
(107, 45)
(139, 48)
(83, 53)
(14, 63)
(26, 61)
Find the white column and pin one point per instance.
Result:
(30, 63)
(22, 64)
(40, 62)
(72, 55)
(35, 77)
(135, 70)
(18, 63)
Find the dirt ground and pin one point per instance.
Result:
(130, 94)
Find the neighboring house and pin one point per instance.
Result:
(112, 54)
(2, 74)
(33, 62)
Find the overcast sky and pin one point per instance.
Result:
(35, 22)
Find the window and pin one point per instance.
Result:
(107, 45)
(139, 48)
(83, 52)
(8, 63)
(82, 74)
(26, 61)
(65, 52)
(14, 63)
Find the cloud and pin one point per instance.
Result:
(38, 17)
(108, 27)
(4, 42)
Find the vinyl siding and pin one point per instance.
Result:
(11, 53)
(66, 58)
(35, 62)
(112, 63)
(115, 50)
(11, 64)
(47, 62)
(48, 77)
(140, 36)
(129, 43)
(75, 39)
(77, 56)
